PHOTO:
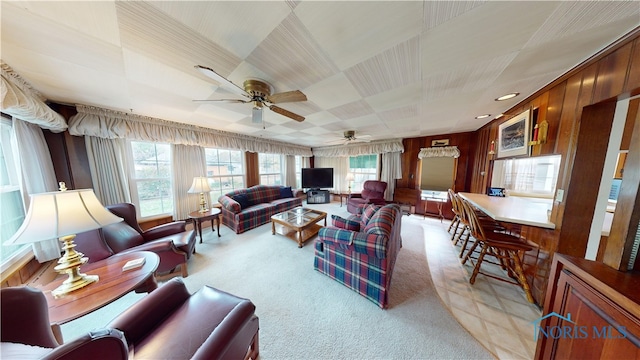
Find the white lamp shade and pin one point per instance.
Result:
(199, 185)
(56, 214)
(350, 177)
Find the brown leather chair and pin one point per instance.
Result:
(26, 332)
(372, 193)
(172, 242)
(171, 323)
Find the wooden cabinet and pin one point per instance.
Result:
(591, 311)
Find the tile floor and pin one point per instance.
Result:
(496, 313)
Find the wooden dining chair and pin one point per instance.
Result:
(456, 225)
(507, 249)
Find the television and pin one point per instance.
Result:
(317, 178)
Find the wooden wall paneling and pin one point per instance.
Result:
(410, 166)
(253, 168)
(78, 161)
(623, 231)
(634, 107)
(59, 157)
(632, 83)
(552, 114)
(581, 195)
(612, 74)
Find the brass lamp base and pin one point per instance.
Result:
(203, 204)
(70, 264)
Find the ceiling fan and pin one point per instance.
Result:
(349, 136)
(258, 93)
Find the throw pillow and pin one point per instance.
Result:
(367, 214)
(242, 199)
(286, 192)
(346, 224)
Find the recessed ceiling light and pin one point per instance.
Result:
(499, 116)
(483, 116)
(508, 96)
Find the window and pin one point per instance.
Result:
(363, 167)
(270, 169)
(225, 170)
(11, 206)
(151, 178)
(535, 176)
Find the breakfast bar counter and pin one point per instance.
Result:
(514, 209)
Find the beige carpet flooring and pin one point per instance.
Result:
(306, 315)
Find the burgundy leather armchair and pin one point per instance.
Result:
(172, 242)
(372, 193)
(26, 332)
(171, 323)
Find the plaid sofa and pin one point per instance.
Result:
(262, 201)
(360, 252)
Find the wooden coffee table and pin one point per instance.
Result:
(299, 224)
(112, 285)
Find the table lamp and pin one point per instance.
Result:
(349, 179)
(62, 214)
(200, 185)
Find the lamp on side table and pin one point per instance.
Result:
(200, 185)
(62, 214)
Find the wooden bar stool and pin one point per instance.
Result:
(507, 249)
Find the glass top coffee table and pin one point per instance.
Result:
(299, 224)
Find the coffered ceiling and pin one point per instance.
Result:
(384, 69)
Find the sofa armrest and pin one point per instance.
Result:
(229, 204)
(142, 317)
(163, 230)
(102, 343)
(369, 244)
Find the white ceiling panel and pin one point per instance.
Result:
(390, 68)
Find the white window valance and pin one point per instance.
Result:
(22, 101)
(110, 124)
(439, 151)
(374, 147)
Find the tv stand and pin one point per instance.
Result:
(317, 196)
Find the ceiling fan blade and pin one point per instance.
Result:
(222, 80)
(222, 100)
(286, 113)
(287, 96)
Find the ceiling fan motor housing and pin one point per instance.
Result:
(257, 88)
(350, 134)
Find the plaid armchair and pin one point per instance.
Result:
(360, 252)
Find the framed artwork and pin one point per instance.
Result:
(513, 136)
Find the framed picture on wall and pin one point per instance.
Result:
(513, 136)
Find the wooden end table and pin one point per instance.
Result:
(298, 224)
(209, 215)
(113, 284)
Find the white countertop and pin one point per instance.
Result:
(514, 209)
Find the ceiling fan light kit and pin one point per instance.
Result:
(257, 92)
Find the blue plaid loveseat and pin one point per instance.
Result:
(360, 252)
(245, 209)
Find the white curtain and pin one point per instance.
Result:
(108, 169)
(290, 171)
(188, 162)
(340, 167)
(19, 99)
(391, 170)
(439, 151)
(374, 147)
(110, 124)
(37, 175)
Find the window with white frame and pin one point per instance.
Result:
(534, 176)
(150, 178)
(363, 167)
(270, 169)
(225, 170)
(11, 206)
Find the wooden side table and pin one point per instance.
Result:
(210, 215)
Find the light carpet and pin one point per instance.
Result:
(306, 315)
